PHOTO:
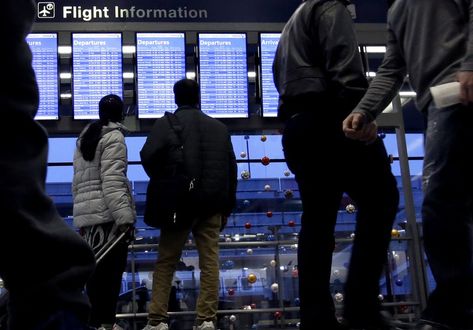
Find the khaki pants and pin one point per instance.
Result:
(206, 236)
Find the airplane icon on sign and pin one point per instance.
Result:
(46, 10)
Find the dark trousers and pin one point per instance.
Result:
(104, 286)
(447, 213)
(363, 172)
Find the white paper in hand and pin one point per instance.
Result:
(446, 95)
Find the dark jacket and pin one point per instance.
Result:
(318, 57)
(208, 153)
(430, 43)
(51, 274)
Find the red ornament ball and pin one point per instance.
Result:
(248, 225)
(291, 223)
(269, 214)
(277, 315)
(265, 160)
(231, 291)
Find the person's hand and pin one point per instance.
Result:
(357, 127)
(223, 222)
(465, 78)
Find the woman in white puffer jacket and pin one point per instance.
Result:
(103, 204)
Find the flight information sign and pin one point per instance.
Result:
(223, 74)
(270, 96)
(161, 61)
(96, 71)
(45, 64)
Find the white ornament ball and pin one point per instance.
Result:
(273, 263)
(380, 297)
(352, 235)
(228, 239)
(267, 187)
(232, 318)
(275, 287)
(245, 175)
(350, 208)
(396, 257)
(338, 297)
(249, 251)
(243, 154)
(336, 273)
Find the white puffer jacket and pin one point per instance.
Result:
(100, 187)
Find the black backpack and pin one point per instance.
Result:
(171, 195)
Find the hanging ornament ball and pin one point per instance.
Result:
(228, 264)
(243, 154)
(380, 297)
(232, 318)
(269, 214)
(228, 239)
(267, 187)
(287, 173)
(398, 282)
(382, 135)
(338, 297)
(245, 175)
(275, 287)
(253, 306)
(350, 208)
(291, 223)
(391, 158)
(249, 252)
(395, 233)
(298, 325)
(352, 235)
(277, 315)
(246, 202)
(273, 263)
(231, 291)
(336, 273)
(396, 257)
(297, 301)
(263, 138)
(288, 193)
(265, 160)
(251, 278)
(247, 225)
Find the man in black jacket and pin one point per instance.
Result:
(432, 42)
(45, 283)
(209, 158)
(319, 76)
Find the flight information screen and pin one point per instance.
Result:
(161, 61)
(223, 75)
(270, 96)
(45, 64)
(96, 71)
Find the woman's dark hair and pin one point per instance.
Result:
(110, 110)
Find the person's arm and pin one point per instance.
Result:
(115, 185)
(381, 91)
(153, 147)
(465, 75)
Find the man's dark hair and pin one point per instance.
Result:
(186, 92)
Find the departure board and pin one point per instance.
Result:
(96, 71)
(161, 61)
(270, 96)
(45, 64)
(223, 75)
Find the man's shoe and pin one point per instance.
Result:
(206, 325)
(429, 325)
(160, 326)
